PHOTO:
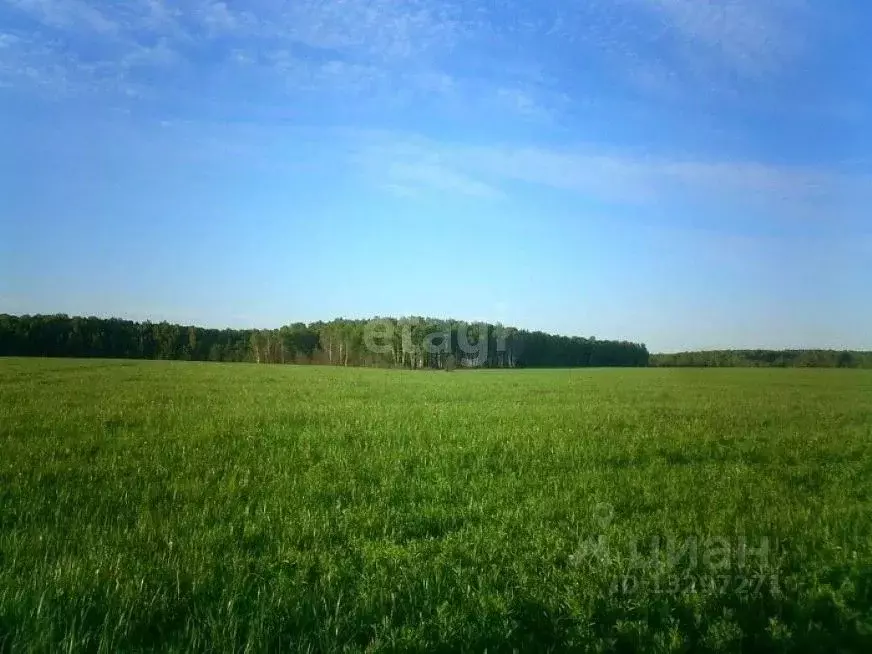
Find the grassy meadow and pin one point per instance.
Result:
(194, 507)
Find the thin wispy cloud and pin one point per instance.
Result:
(219, 19)
(351, 47)
(523, 103)
(161, 53)
(382, 29)
(749, 36)
(67, 14)
(687, 48)
(424, 50)
(475, 61)
(34, 63)
(765, 192)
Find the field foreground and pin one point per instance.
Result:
(206, 506)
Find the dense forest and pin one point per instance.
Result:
(765, 359)
(386, 342)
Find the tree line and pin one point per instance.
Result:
(765, 359)
(412, 342)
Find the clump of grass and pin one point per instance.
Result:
(194, 506)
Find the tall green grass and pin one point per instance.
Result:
(184, 506)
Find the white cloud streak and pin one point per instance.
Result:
(436, 177)
(755, 190)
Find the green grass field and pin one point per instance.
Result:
(220, 507)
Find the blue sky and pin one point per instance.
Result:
(682, 173)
